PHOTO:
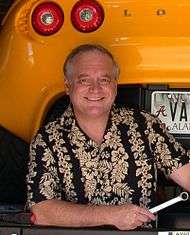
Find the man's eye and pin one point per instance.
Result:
(84, 81)
(105, 80)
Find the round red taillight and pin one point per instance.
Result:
(47, 18)
(87, 15)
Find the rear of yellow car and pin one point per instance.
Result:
(149, 39)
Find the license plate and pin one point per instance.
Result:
(174, 233)
(173, 109)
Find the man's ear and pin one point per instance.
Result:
(67, 86)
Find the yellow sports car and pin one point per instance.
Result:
(149, 39)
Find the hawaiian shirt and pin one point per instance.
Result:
(66, 164)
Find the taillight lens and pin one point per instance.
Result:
(87, 15)
(47, 18)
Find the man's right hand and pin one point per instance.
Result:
(129, 216)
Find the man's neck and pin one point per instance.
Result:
(93, 127)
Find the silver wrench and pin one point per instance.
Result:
(184, 196)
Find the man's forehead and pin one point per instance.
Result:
(83, 75)
(90, 64)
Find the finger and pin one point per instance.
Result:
(133, 225)
(146, 212)
(143, 218)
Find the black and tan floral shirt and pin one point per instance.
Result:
(66, 164)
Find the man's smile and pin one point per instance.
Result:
(94, 99)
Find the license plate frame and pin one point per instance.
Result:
(173, 109)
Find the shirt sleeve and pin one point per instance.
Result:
(168, 152)
(42, 178)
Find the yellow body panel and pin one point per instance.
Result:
(150, 40)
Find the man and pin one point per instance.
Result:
(97, 164)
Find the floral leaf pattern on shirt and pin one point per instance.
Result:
(167, 151)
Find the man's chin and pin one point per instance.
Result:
(96, 112)
(92, 111)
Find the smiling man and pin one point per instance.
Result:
(91, 83)
(97, 164)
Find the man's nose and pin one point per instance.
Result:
(95, 85)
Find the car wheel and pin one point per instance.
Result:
(13, 168)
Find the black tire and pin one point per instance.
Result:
(13, 168)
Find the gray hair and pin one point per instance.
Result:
(67, 68)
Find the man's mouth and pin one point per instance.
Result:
(94, 99)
